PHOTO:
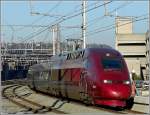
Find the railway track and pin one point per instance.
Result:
(20, 99)
(102, 108)
(111, 109)
(118, 110)
(14, 81)
(11, 94)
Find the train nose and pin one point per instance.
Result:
(119, 94)
(116, 91)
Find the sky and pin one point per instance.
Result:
(15, 14)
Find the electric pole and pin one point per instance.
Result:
(56, 39)
(84, 22)
(53, 37)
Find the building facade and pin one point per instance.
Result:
(147, 55)
(132, 46)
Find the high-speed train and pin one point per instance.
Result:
(97, 76)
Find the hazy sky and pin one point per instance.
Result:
(18, 13)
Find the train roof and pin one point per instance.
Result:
(102, 50)
(86, 51)
(81, 53)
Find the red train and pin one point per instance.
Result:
(97, 76)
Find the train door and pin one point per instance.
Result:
(86, 81)
(53, 82)
(61, 83)
(65, 79)
(71, 79)
(35, 79)
(74, 86)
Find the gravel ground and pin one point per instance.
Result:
(71, 107)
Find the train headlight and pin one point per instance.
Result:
(94, 86)
(107, 81)
(126, 82)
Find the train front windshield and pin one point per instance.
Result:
(109, 63)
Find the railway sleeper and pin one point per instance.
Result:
(36, 110)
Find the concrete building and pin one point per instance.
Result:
(131, 45)
(147, 55)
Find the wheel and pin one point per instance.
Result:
(129, 103)
(88, 100)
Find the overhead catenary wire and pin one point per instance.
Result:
(69, 17)
(38, 19)
(64, 18)
(121, 6)
(31, 7)
(114, 23)
(45, 37)
(91, 22)
(48, 13)
(35, 21)
(110, 26)
(13, 31)
(94, 20)
(85, 11)
(75, 26)
(54, 7)
(26, 25)
(113, 27)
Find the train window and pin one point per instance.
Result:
(44, 75)
(54, 75)
(41, 75)
(36, 75)
(30, 74)
(87, 63)
(29, 71)
(111, 63)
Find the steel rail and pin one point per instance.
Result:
(29, 107)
